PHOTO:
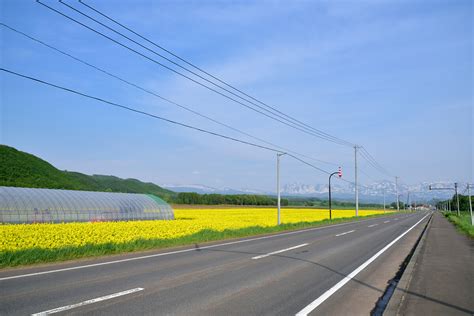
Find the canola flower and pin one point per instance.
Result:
(188, 221)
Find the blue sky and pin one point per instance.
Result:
(393, 76)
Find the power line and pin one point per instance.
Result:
(372, 162)
(290, 123)
(375, 161)
(200, 69)
(367, 154)
(315, 133)
(135, 110)
(159, 96)
(128, 108)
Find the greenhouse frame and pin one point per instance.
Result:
(28, 205)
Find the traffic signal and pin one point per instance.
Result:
(339, 173)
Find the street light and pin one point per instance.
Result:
(339, 173)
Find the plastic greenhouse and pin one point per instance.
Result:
(26, 205)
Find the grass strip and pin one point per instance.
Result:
(462, 223)
(40, 255)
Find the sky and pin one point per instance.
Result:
(393, 76)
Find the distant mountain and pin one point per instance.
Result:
(20, 169)
(203, 189)
(197, 188)
(372, 193)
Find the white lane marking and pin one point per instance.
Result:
(373, 225)
(308, 309)
(342, 234)
(95, 300)
(396, 219)
(386, 222)
(177, 251)
(278, 251)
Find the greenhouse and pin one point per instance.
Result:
(27, 205)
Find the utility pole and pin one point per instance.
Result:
(470, 203)
(398, 198)
(278, 187)
(457, 197)
(384, 200)
(356, 184)
(408, 200)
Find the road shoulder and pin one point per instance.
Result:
(438, 279)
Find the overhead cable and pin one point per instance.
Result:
(272, 116)
(186, 108)
(128, 108)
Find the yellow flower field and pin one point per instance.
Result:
(188, 222)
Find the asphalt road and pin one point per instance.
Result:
(285, 274)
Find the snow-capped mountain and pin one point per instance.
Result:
(308, 189)
(375, 189)
(203, 189)
(373, 192)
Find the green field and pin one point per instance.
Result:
(463, 222)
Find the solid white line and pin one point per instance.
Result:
(341, 234)
(396, 219)
(386, 222)
(373, 225)
(278, 251)
(177, 251)
(308, 309)
(95, 300)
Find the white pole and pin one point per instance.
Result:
(278, 187)
(356, 184)
(384, 200)
(398, 198)
(457, 198)
(470, 203)
(408, 201)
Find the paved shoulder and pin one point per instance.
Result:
(441, 282)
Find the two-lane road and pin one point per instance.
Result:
(284, 274)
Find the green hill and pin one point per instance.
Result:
(20, 169)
